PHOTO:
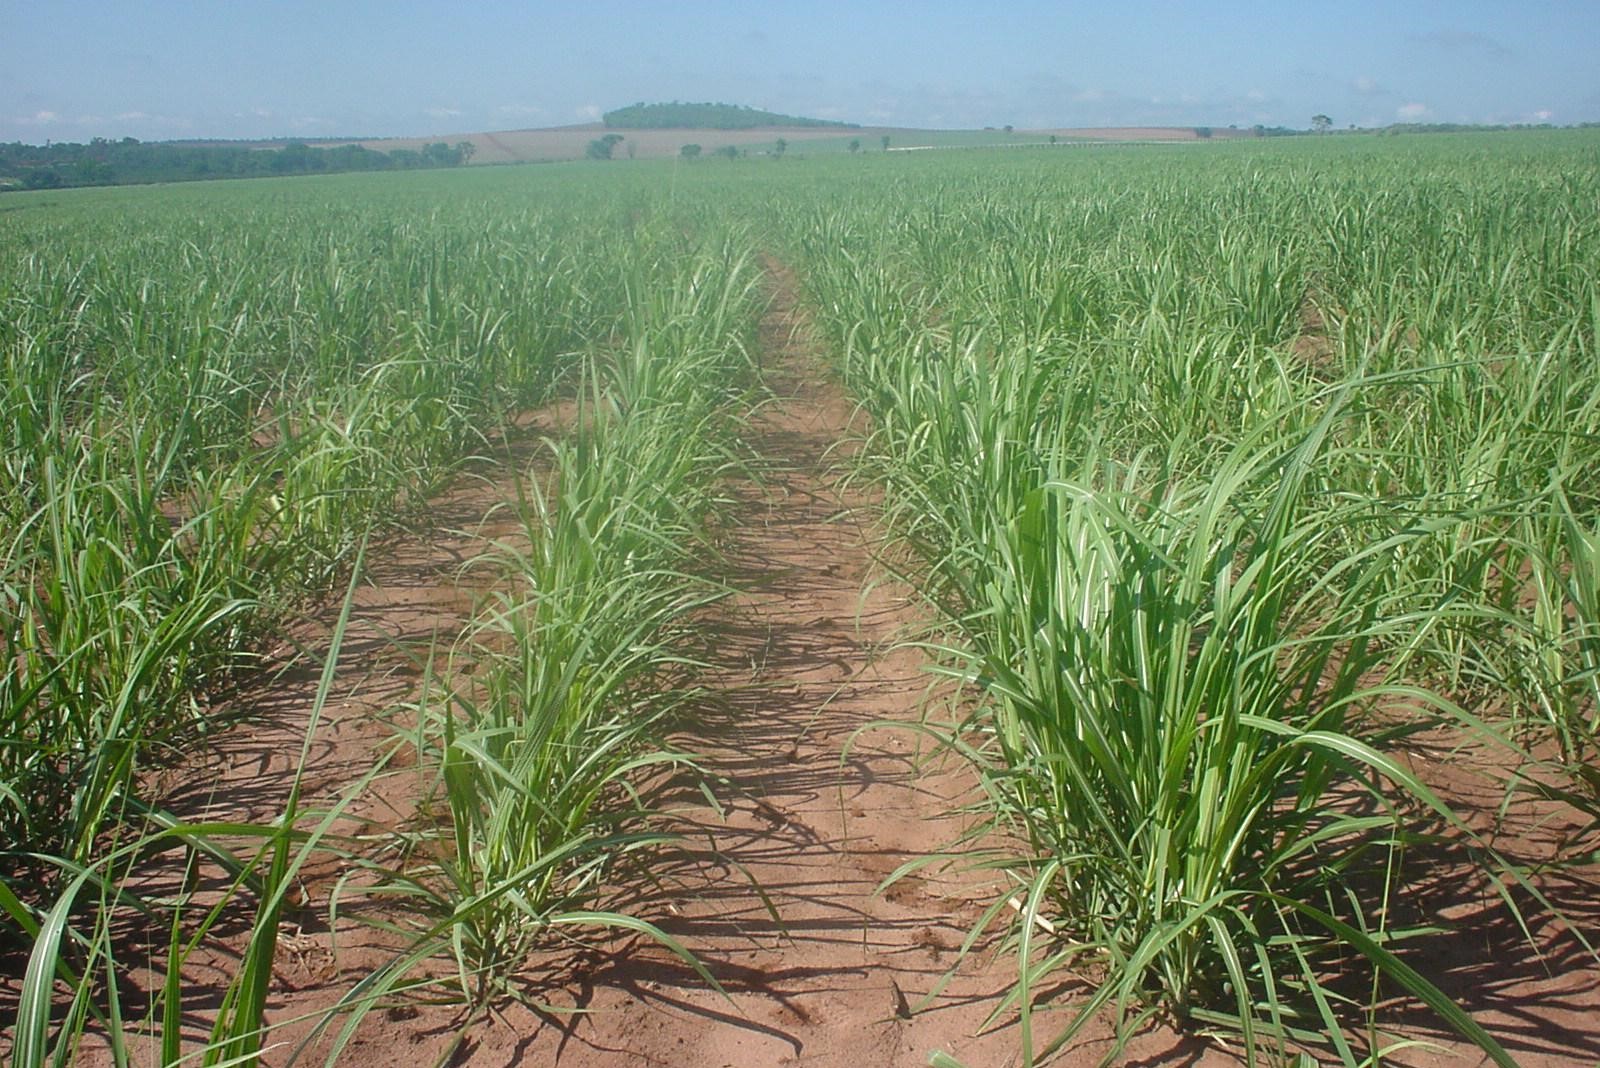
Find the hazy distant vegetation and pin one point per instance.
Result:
(704, 117)
(132, 162)
(1464, 127)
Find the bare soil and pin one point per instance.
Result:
(821, 798)
(822, 790)
(1534, 988)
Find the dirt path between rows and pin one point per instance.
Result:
(817, 806)
(814, 804)
(815, 810)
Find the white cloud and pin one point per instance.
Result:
(1543, 115)
(131, 116)
(590, 112)
(1255, 96)
(1411, 112)
(441, 113)
(1366, 86)
(41, 117)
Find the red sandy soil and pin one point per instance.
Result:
(817, 808)
(818, 804)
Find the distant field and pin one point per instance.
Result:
(570, 142)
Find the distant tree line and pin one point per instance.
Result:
(678, 115)
(132, 162)
(1323, 124)
(1463, 127)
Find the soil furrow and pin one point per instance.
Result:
(819, 790)
(820, 798)
(818, 806)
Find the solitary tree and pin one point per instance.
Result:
(885, 140)
(689, 151)
(855, 144)
(780, 146)
(602, 147)
(439, 154)
(465, 149)
(1321, 123)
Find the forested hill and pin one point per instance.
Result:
(704, 117)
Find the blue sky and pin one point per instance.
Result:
(168, 69)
